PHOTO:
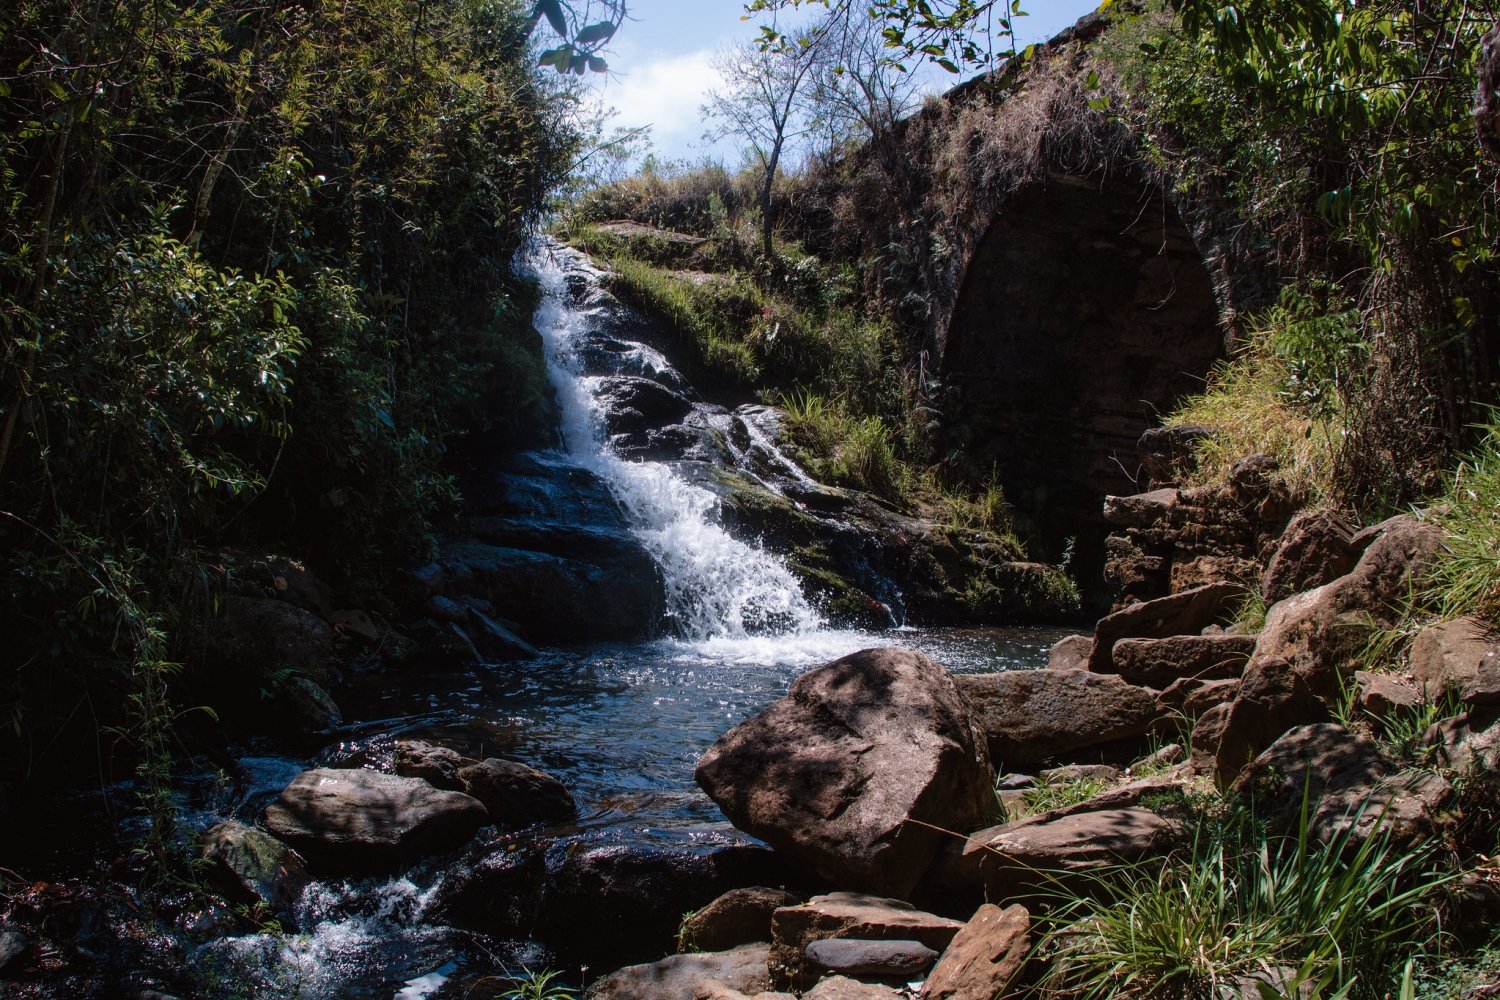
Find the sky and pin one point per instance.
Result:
(661, 62)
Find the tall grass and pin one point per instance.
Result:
(1341, 919)
(1246, 404)
(1466, 580)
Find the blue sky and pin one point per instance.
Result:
(662, 62)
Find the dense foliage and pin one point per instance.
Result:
(253, 264)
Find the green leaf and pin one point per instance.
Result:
(552, 9)
(947, 64)
(598, 65)
(595, 33)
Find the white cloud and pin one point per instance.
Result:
(665, 94)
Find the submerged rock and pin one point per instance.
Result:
(857, 771)
(358, 820)
(518, 796)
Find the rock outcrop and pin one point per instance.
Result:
(849, 916)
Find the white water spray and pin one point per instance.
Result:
(717, 587)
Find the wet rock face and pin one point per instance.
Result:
(254, 868)
(1083, 313)
(857, 770)
(517, 796)
(604, 904)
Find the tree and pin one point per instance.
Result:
(858, 92)
(585, 27)
(952, 33)
(765, 101)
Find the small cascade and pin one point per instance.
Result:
(717, 587)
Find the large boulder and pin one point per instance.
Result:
(1186, 613)
(358, 820)
(253, 868)
(1158, 662)
(517, 796)
(847, 915)
(680, 977)
(1312, 640)
(740, 916)
(858, 770)
(1070, 653)
(1044, 851)
(985, 959)
(1344, 786)
(436, 765)
(1316, 548)
(1028, 716)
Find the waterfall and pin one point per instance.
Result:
(717, 587)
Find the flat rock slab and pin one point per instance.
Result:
(1158, 662)
(1028, 716)
(1033, 853)
(844, 988)
(879, 959)
(353, 820)
(679, 977)
(985, 958)
(857, 771)
(1188, 612)
(517, 796)
(847, 915)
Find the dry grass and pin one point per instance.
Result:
(1245, 403)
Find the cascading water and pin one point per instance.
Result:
(717, 587)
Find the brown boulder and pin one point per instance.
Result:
(517, 796)
(985, 959)
(858, 770)
(1378, 695)
(844, 988)
(1042, 851)
(438, 766)
(1140, 510)
(1071, 653)
(1313, 639)
(1158, 662)
(1208, 733)
(1316, 548)
(1347, 787)
(1191, 697)
(356, 820)
(679, 977)
(1185, 613)
(1029, 716)
(1447, 656)
(741, 916)
(846, 915)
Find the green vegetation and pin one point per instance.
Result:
(1047, 794)
(254, 268)
(1342, 919)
